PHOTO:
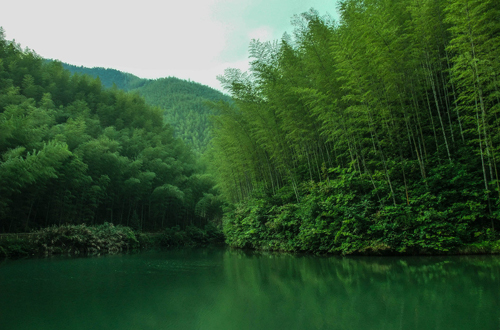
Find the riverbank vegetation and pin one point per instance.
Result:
(104, 239)
(375, 134)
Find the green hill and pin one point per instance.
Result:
(108, 77)
(184, 108)
(182, 101)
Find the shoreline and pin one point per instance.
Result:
(78, 240)
(34, 245)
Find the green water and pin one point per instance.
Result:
(223, 289)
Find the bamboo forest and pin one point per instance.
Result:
(374, 133)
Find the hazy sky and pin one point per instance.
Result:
(188, 39)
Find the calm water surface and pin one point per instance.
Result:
(223, 289)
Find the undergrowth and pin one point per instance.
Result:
(104, 239)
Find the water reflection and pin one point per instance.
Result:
(224, 289)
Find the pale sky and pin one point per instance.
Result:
(188, 39)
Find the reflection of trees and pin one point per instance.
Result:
(368, 293)
(217, 289)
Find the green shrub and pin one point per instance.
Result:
(15, 247)
(106, 238)
(346, 215)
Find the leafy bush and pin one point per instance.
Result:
(105, 238)
(13, 247)
(345, 215)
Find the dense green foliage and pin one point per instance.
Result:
(71, 239)
(74, 152)
(185, 109)
(182, 102)
(76, 239)
(379, 133)
(103, 239)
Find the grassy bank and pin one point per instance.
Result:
(103, 239)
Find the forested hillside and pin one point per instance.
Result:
(185, 108)
(378, 132)
(182, 102)
(72, 151)
(109, 77)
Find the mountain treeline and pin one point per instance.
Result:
(109, 77)
(185, 108)
(72, 152)
(378, 132)
(182, 102)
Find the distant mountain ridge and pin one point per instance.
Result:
(183, 102)
(184, 105)
(108, 77)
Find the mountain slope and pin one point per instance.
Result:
(184, 108)
(108, 77)
(182, 102)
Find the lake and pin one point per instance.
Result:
(220, 289)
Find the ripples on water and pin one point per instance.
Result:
(223, 289)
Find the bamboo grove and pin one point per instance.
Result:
(377, 132)
(74, 152)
